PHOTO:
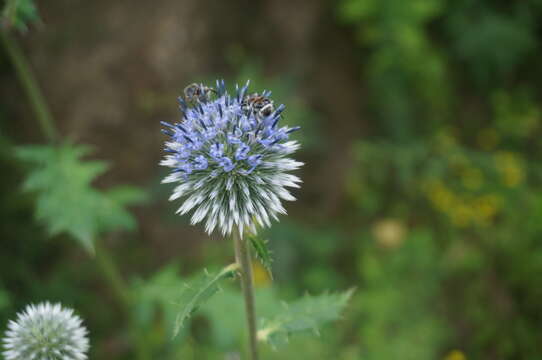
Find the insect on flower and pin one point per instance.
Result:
(260, 105)
(229, 157)
(197, 92)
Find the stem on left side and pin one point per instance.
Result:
(30, 85)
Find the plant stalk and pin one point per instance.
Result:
(30, 85)
(242, 256)
(111, 274)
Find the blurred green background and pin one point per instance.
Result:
(421, 122)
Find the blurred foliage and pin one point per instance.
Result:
(299, 250)
(404, 68)
(398, 306)
(491, 40)
(65, 200)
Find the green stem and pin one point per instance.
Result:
(30, 85)
(111, 273)
(242, 256)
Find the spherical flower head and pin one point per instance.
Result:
(230, 158)
(46, 332)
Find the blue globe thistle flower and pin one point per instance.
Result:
(230, 158)
(46, 332)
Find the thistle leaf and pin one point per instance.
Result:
(65, 200)
(306, 314)
(198, 291)
(262, 252)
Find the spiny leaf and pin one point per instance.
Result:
(308, 313)
(198, 291)
(262, 252)
(66, 202)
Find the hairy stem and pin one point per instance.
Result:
(30, 85)
(242, 256)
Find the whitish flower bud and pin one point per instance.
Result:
(46, 332)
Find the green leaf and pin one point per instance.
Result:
(262, 252)
(306, 314)
(66, 202)
(156, 295)
(198, 291)
(20, 13)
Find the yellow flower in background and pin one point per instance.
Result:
(440, 195)
(469, 204)
(510, 168)
(455, 355)
(487, 206)
(261, 276)
(461, 215)
(389, 233)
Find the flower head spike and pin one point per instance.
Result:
(46, 332)
(229, 156)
